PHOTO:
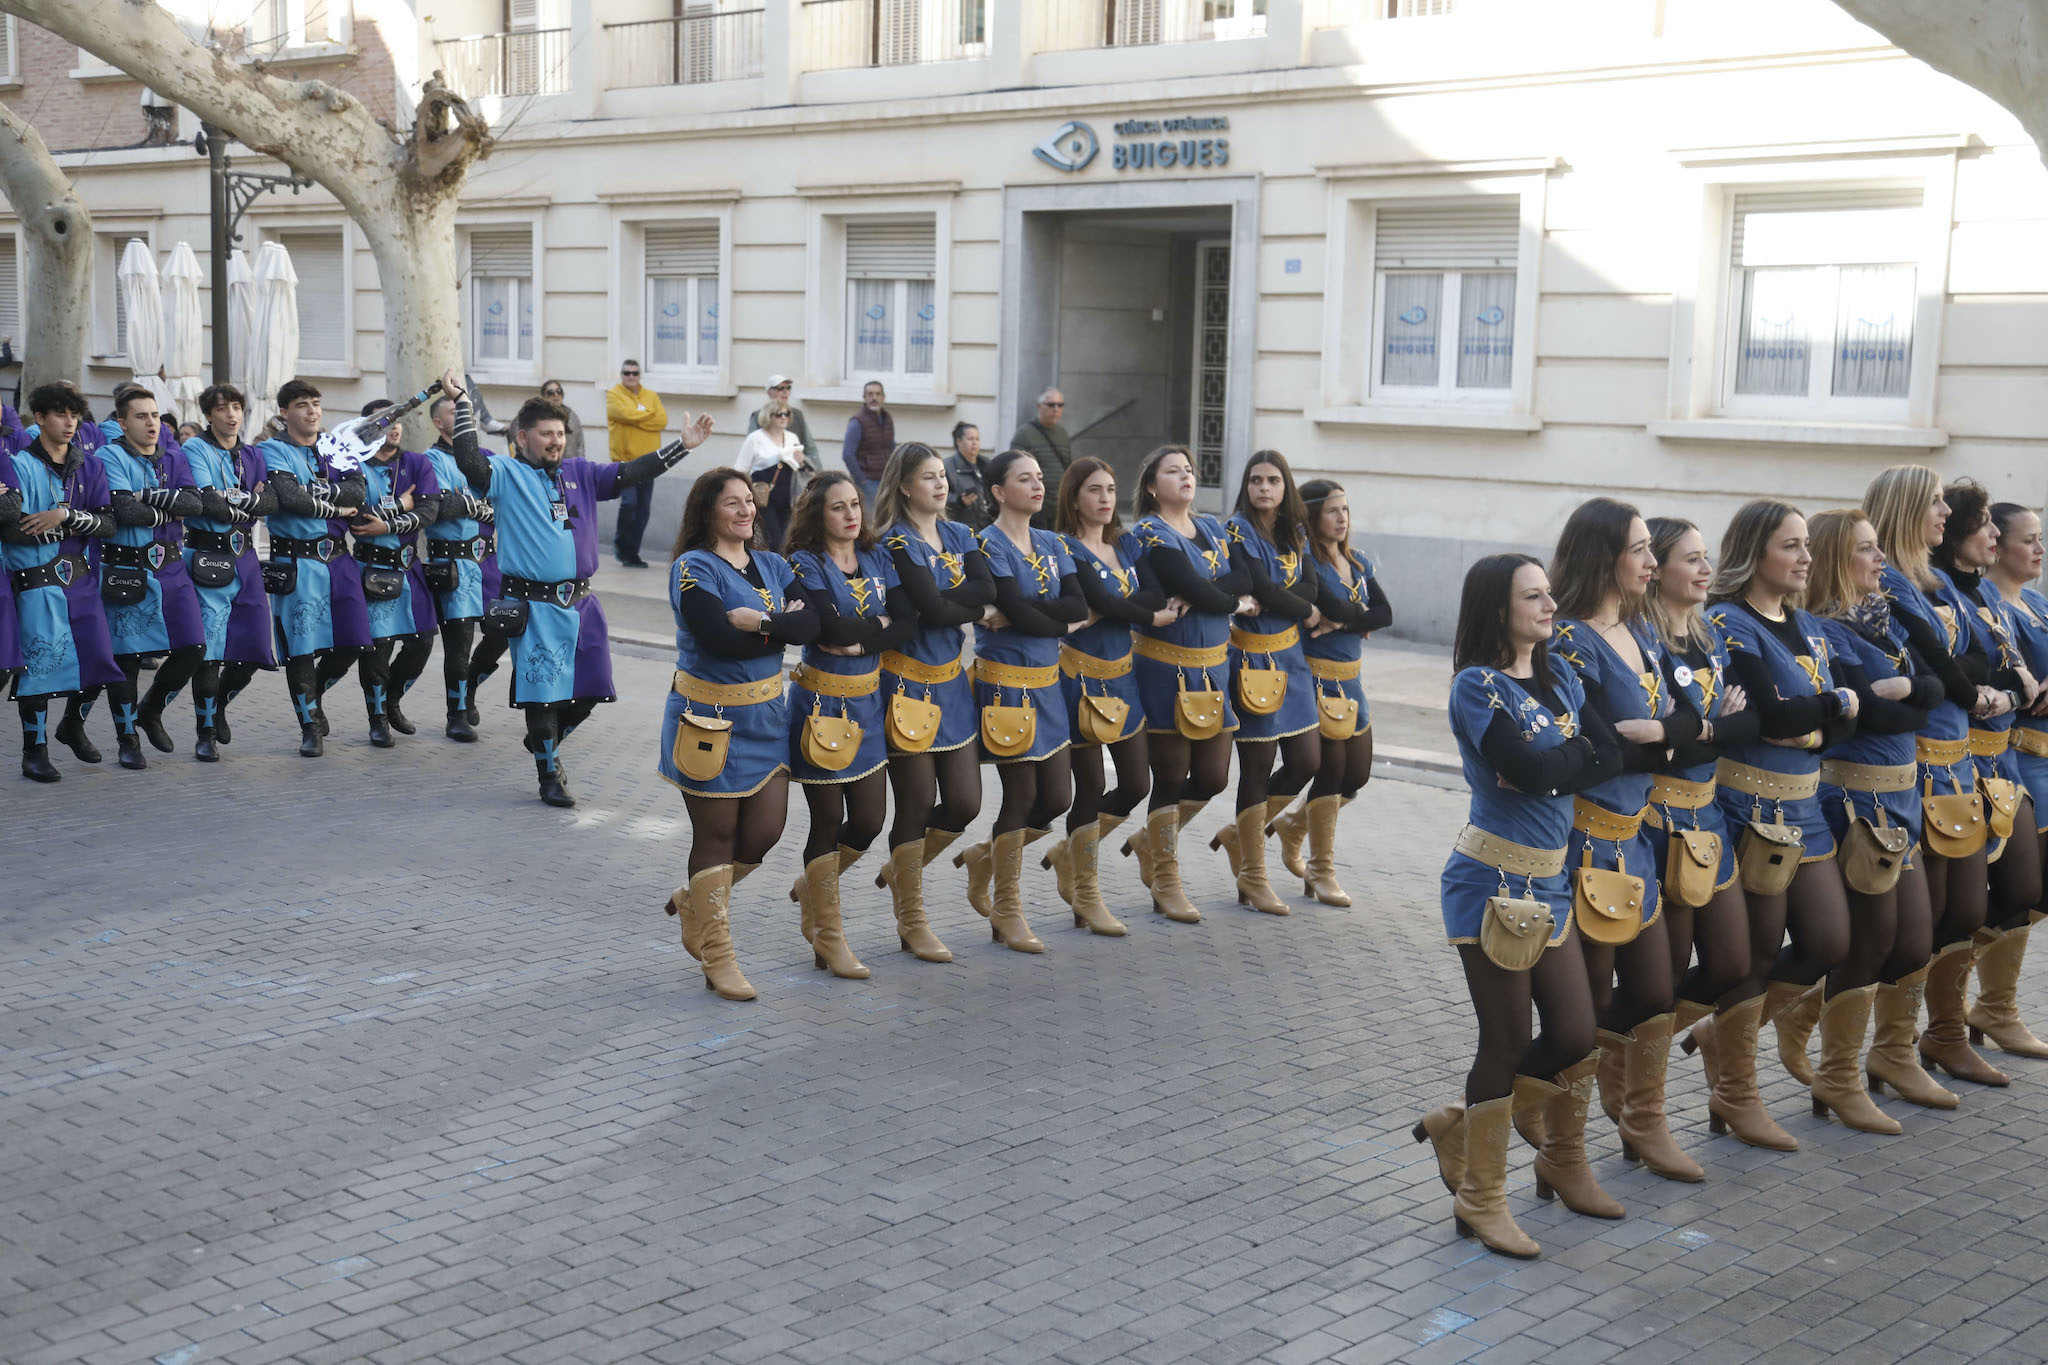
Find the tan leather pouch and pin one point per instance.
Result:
(1767, 856)
(1515, 930)
(1607, 906)
(1692, 860)
(1008, 731)
(1953, 825)
(2001, 805)
(830, 742)
(702, 743)
(910, 723)
(1198, 715)
(1102, 718)
(1873, 855)
(1261, 690)
(1336, 716)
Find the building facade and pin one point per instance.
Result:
(1476, 259)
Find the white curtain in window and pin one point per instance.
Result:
(1411, 324)
(707, 320)
(874, 326)
(1486, 329)
(923, 313)
(668, 326)
(1773, 352)
(1874, 331)
(526, 320)
(496, 297)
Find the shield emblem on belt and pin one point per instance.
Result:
(565, 593)
(324, 548)
(66, 571)
(236, 541)
(405, 555)
(476, 547)
(155, 555)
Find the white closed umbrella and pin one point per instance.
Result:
(274, 340)
(183, 335)
(241, 318)
(142, 301)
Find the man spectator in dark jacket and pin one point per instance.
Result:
(1047, 441)
(870, 438)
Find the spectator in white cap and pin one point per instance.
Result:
(778, 392)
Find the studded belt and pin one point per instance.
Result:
(154, 556)
(1516, 860)
(60, 572)
(1868, 777)
(1253, 642)
(326, 549)
(221, 542)
(727, 694)
(1989, 743)
(1765, 784)
(566, 593)
(1591, 818)
(1163, 653)
(384, 556)
(474, 548)
(1077, 664)
(911, 670)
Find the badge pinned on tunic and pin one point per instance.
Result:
(1682, 675)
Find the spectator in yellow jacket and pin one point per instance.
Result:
(635, 418)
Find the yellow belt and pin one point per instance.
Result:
(2030, 741)
(909, 669)
(1673, 791)
(1161, 652)
(728, 694)
(1251, 642)
(1076, 664)
(1333, 670)
(1014, 675)
(1940, 753)
(1602, 823)
(835, 684)
(1764, 784)
(1516, 860)
(1989, 743)
(1868, 777)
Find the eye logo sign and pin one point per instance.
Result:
(1415, 316)
(1070, 149)
(1493, 317)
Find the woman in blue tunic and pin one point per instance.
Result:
(1352, 605)
(1906, 506)
(862, 614)
(1527, 742)
(1182, 667)
(1870, 776)
(1780, 657)
(64, 508)
(1095, 674)
(1023, 711)
(936, 779)
(736, 609)
(235, 611)
(1601, 577)
(1274, 691)
(2001, 945)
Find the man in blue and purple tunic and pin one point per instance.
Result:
(236, 614)
(546, 509)
(402, 499)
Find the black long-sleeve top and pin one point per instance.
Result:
(704, 616)
(938, 607)
(1375, 613)
(214, 503)
(1975, 660)
(1136, 610)
(1037, 616)
(1178, 575)
(865, 633)
(1881, 715)
(1289, 604)
(1928, 642)
(296, 500)
(1788, 717)
(1585, 760)
(1730, 731)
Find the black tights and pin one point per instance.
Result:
(848, 813)
(737, 830)
(1133, 780)
(373, 671)
(1816, 911)
(2016, 876)
(1890, 936)
(934, 791)
(1556, 985)
(1035, 792)
(1346, 767)
(1642, 969)
(1959, 892)
(410, 663)
(483, 660)
(1719, 930)
(172, 676)
(1185, 769)
(1301, 758)
(458, 638)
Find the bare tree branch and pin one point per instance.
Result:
(56, 235)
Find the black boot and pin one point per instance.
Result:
(206, 711)
(127, 712)
(128, 749)
(380, 731)
(35, 747)
(71, 732)
(234, 678)
(398, 719)
(459, 728)
(544, 742)
(150, 720)
(303, 678)
(202, 748)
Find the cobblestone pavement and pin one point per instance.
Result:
(377, 1059)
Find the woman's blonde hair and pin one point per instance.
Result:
(905, 463)
(1896, 503)
(1665, 533)
(1830, 584)
(1743, 546)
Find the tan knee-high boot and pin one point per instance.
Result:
(1793, 1010)
(1252, 887)
(1007, 925)
(1996, 1015)
(906, 893)
(704, 920)
(821, 910)
(1612, 1072)
(1946, 1043)
(1060, 859)
(980, 864)
(1727, 1046)
(1561, 1168)
(1645, 1132)
(1481, 1205)
(1138, 844)
(1892, 1061)
(1292, 827)
(678, 902)
(1162, 829)
(1444, 1128)
(847, 858)
(1231, 838)
(936, 841)
(1321, 882)
(1084, 850)
(1838, 1080)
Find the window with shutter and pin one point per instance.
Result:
(10, 64)
(109, 310)
(501, 294)
(324, 312)
(1445, 282)
(682, 294)
(891, 295)
(10, 287)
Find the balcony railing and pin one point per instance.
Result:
(1340, 13)
(529, 62)
(694, 49)
(1066, 25)
(848, 33)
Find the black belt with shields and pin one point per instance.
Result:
(566, 593)
(472, 549)
(326, 549)
(154, 556)
(221, 542)
(383, 556)
(60, 572)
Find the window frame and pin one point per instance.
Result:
(828, 355)
(105, 347)
(511, 371)
(278, 227)
(899, 345)
(630, 294)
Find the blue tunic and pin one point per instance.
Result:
(1890, 658)
(325, 608)
(1794, 675)
(476, 578)
(1947, 721)
(1533, 820)
(236, 616)
(1705, 688)
(1344, 646)
(547, 531)
(1108, 641)
(2029, 620)
(62, 629)
(864, 595)
(937, 646)
(1622, 694)
(1160, 683)
(1297, 713)
(1039, 574)
(1985, 614)
(410, 613)
(758, 748)
(167, 617)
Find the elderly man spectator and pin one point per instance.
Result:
(870, 439)
(1047, 441)
(636, 418)
(553, 391)
(778, 392)
(966, 498)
